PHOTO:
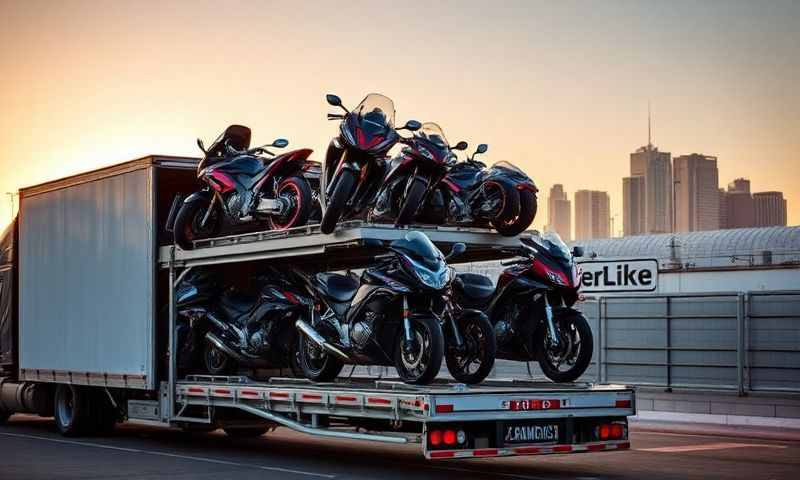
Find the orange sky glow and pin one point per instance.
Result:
(558, 88)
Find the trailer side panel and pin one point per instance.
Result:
(86, 282)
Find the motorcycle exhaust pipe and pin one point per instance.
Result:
(217, 342)
(319, 340)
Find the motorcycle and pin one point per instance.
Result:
(418, 169)
(243, 187)
(227, 329)
(532, 307)
(387, 317)
(355, 162)
(502, 196)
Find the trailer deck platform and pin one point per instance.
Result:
(336, 250)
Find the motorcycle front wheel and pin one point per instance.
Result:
(419, 362)
(295, 192)
(412, 197)
(514, 225)
(473, 361)
(216, 361)
(568, 361)
(189, 223)
(338, 201)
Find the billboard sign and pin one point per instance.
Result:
(619, 275)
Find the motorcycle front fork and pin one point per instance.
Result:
(551, 325)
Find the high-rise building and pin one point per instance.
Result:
(559, 212)
(696, 186)
(655, 168)
(736, 206)
(633, 206)
(592, 215)
(770, 209)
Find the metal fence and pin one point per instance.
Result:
(728, 341)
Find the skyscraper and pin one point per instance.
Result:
(655, 168)
(592, 215)
(696, 193)
(633, 206)
(559, 212)
(736, 206)
(770, 209)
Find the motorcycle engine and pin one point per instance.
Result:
(504, 328)
(259, 340)
(362, 330)
(234, 202)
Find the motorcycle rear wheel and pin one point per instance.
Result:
(512, 226)
(298, 193)
(572, 326)
(415, 190)
(317, 364)
(216, 361)
(188, 222)
(338, 201)
(421, 364)
(475, 362)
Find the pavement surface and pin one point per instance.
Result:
(30, 448)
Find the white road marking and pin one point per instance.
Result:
(707, 446)
(171, 455)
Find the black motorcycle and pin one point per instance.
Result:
(396, 314)
(224, 329)
(244, 186)
(355, 162)
(413, 175)
(532, 308)
(502, 196)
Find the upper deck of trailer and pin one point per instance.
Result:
(347, 246)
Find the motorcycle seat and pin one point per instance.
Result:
(340, 288)
(235, 304)
(477, 288)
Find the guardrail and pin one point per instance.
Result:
(740, 341)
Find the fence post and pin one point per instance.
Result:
(668, 342)
(740, 342)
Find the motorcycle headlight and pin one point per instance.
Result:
(425, 153)
(435, 280)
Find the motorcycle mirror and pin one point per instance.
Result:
(280, 143)
(482, 148)
(577, 251)
(334, 101)
(201, 145)
(411, 125)
(462, 145)
(458, 249)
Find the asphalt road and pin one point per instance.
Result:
(30, 448)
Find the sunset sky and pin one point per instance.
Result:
(559, 88)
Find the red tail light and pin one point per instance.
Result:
(449, 437)
(605, 432)
(444, 408)
(617, 431)
(435, 438)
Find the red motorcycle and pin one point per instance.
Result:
(244, 187)
(532, 307)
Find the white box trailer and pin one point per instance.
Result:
(93, 265)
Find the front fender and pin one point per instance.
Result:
(468, 313)
(202, 195)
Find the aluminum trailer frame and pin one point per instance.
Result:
(304, 406)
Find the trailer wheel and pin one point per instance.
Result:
(245, 432)
(72, 411)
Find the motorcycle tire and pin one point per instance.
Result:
(564, 320)
(187, 227)
(429, 331)
(338, 201)
(413, 198)
(528, 205)
(323, 369)
(300, 190)
(215, 361)
(478, 334)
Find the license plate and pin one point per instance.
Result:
(525, 433)
(521, 405)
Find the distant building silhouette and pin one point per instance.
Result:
(696, 183)
(770, 209)
(592, 215)
(654, 207)
(633, 206)
(737, 209)
(559, 212)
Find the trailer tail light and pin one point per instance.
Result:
(622, 404)
(447, 438)
(444, 408)
(610, 431)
